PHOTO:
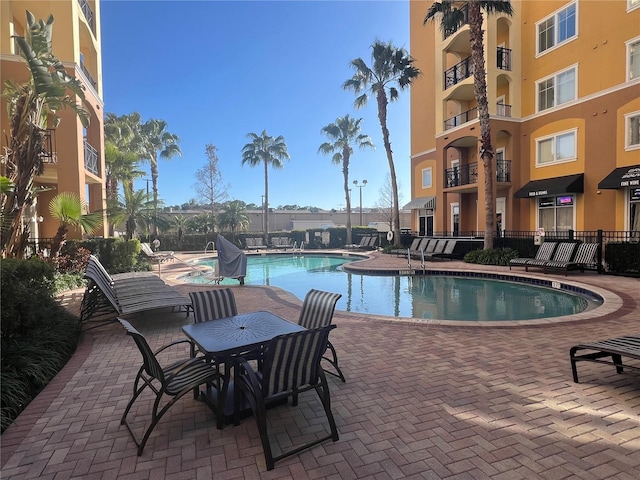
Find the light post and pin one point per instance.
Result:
(147, 207)
(364, 184)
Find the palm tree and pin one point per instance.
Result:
(268, 151)
(68, 208)
(451, 19)
(131, 208)
(180, 222)
(121, 152)
(234, 216)
(344, 133)
(155, 138)
(31, 105)
(392, 70)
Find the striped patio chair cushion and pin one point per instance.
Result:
(213, 304)
(317, 308)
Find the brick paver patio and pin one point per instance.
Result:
(422, 400)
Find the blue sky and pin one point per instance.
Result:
(217, 70)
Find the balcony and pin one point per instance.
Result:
(458, 72)
(86, 73)
(461, 118)
(467, 174)
(49, 154)
(503, 110)
(504, 58)
(88, 13)
(91, 158)
(464, 13)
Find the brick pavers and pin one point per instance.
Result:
(421, 401)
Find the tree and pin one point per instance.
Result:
(68, 208)
(156, 142)
(210, 187)
(384, 205)
(268, 151)
(33, 106)
(131, 209)
(344, 133)
(121, 151)
(234, 216)
(392, 71)
(451, 18)
(180, 222)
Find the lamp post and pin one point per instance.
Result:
(147, 207)
(364, 184)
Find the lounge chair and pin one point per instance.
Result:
(446, 252)
(255, 244)
(585, 257)
(281, 243)
(173, 381)
(156, 256)
(438, 248)
(370, 244)
(545, 252)
(290, 366)
(403, 251)
(614, 348)
(364, 240)
(562, 254)
(107, 296)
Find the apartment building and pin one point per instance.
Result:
(75, 158)
(563, 87)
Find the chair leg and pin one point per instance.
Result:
(334, 361)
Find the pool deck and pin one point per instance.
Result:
(423, 400)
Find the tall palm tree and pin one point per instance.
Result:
(68, 208)
(344, 133)
(156, 142)
(392, 70)
(130, 209)
(234, 216)
(268, 151)
(121, 152)
(451, 18)
(33, 106)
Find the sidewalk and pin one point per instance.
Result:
(421, 401)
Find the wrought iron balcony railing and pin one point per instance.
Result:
(465, 19)
(503, 110)
(504, 58)
(88, 13)
(49, 155)
(91, 158)
(88, 75)
(461, 118)
(467, 174)
(458, 72)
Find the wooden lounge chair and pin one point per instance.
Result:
(290, 366)
(174, 381)
(585, 257)
(563, 254)
(614, 348)
(107, 296)
(545, 252)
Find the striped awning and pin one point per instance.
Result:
(421, 202)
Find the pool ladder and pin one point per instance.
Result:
(213, 247)
(422, 265)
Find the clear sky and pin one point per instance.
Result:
(217, 70)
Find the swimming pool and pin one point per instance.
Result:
(444, 297)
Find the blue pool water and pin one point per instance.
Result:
(443, 297)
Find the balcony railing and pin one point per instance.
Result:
(467, 174)
(458, 72)
(465, 19)
(88, 13)
(461, 118)
(49, 154)
(504, 58)
(88, 75)
(91, 158)
(503, 110)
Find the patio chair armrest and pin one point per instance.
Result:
(173, 344)
(252, 382)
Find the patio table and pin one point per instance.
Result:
(226, 339)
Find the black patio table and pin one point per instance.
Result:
(228, 338)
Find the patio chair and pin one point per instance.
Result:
(412, 248)
(156, 256)
(447, 251)
(586, 254)
(614, 348)
(317, 311)
(563, 253)
(545, 252)
(173, 381)
(213, 304)
(364, 241)
(291, 366)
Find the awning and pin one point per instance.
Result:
(420, 202)
(622, 177)
(552, 186)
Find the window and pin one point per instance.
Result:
(427, 180)
(558, 28)
(633, 47)
(555, 214)
(631, 4)
(633, 130)
(556, 90)
(559, 148)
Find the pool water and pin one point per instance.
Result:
(443, 297)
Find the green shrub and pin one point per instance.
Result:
(37, 335)
(497, 256)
